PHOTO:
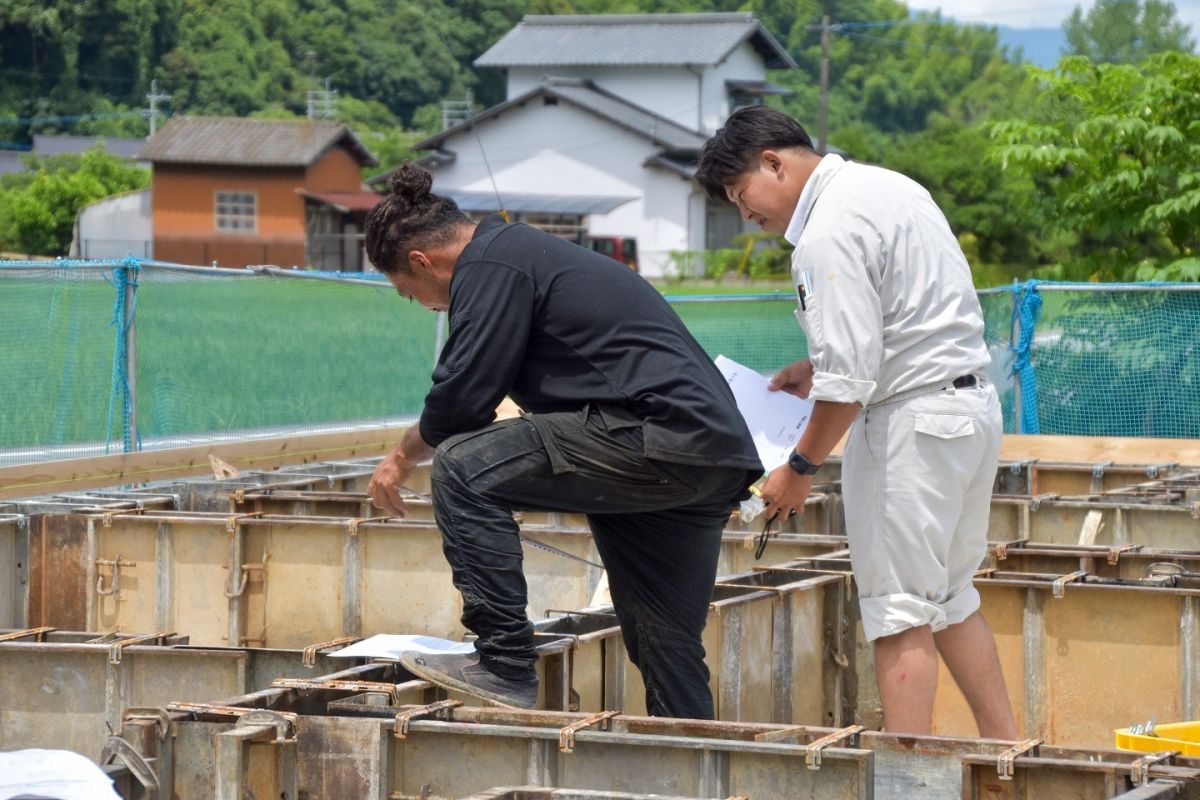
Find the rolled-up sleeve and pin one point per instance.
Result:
(491, 312)
(841, 315)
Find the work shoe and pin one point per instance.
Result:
(462, 672)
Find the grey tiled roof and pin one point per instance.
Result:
(631, 40)
(586, 95)
(250, 142)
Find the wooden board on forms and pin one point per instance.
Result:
(78, 474)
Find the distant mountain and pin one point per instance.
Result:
(1040, 46)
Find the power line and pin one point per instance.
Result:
(928, 46)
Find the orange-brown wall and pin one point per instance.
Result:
(335, 171)
(183, 206)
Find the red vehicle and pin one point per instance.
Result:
(615, 247)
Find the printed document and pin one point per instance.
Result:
(387, 645)
(775, 419)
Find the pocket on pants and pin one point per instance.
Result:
(944, 426)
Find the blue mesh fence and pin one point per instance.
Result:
(238, 352)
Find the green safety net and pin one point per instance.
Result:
(216, 352)
(246, 352)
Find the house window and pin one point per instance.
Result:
(237, 212)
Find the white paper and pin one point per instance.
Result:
(388, 645)
(59, 774)
(775, 419)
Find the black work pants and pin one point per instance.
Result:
(656, 525)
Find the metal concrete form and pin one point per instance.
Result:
(776, 641)
(339, 742)
(67, 690)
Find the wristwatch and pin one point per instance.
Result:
(800, 463)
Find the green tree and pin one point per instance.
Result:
(1113, 147)
(1126, 31)
(38, 209)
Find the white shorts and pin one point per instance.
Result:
(917, 479)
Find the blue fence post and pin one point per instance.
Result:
(124, 372)
(1027, 309)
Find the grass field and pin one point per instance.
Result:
(212, 355)
(219, 355)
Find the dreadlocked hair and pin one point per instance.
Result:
(409, 217)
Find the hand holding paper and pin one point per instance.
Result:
(776, 419)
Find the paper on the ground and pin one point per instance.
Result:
(775, 419)
(388, 645)
(59, 774)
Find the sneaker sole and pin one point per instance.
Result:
(410, 663)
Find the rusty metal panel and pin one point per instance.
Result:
(14, 570)
(58, 572)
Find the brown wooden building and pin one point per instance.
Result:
(236, 192)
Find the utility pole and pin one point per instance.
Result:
(321, 102)
(455, 112)
(154, 97)
(825, 28)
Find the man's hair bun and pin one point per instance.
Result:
(410, 184)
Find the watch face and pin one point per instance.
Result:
(801, 464)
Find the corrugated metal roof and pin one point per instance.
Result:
(631, 40)
(250, 142)
(588, 96)
(539, 203)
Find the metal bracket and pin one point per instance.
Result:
(157, 715)
(812, 752)
(117, 748)
(246, 569)
(1115, 553)
(353, 523)
(309, 656)
(380, 687)
(1036, 501)
(400, 726)
(116, 565)
(1059, 587)
(1139, 771)
(779, 735)
(115, 649)
(38, 634)
(566, 736)
(231, 524)
(283, 723)
(1001, 549)
(1004, 762)
(1098, 469)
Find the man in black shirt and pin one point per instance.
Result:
(624, 418)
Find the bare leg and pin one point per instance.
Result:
(969, 650)
(906, 667)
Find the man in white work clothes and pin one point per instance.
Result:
(897, 358)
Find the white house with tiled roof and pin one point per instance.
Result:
(604, 116)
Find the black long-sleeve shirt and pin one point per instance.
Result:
(557, 326)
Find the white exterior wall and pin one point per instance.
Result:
(694, 97)
(743, 64)
(114, 228)
(561, 149)
(671, 92)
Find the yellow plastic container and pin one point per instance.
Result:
(1181, 736)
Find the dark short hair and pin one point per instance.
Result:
(409, 216)
(734, 149)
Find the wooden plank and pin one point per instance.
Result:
(78, 474)
(1093, 449)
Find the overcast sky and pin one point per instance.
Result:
(1029, 14)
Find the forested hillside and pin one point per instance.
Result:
(912, 91)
